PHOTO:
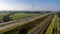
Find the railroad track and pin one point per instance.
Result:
(17, 23)
(57, 25)
(40, 28)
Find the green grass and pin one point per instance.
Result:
(20, 16)
(50, 28)
(28, 25)
(59, 25)
(55, 31)
(7, 29)
(59, 21)
(11, 28)
(16, 16)
(36, 23)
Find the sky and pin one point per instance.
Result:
(42, 5)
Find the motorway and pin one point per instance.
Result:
(40, 28)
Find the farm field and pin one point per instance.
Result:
(16, 16)
(19, 16)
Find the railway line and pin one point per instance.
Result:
(40, 28)
(15, 24)
(31, 25)
(57, 25)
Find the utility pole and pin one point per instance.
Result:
(33, 6)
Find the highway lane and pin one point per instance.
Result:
(40, 28)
